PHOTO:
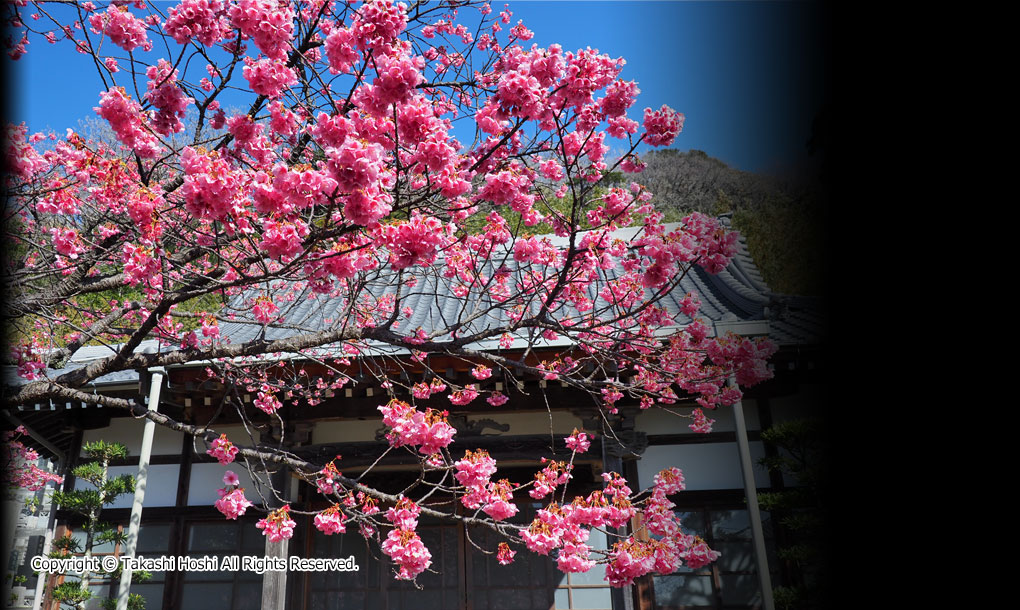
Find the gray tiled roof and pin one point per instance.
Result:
(89, 353)
(735, 295)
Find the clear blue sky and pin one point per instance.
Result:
(749, 76)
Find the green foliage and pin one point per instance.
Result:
(64, 545)
(787, 598)
(81, 501)
(71, 593)
(135, 602)
(93, 472)
(103, 451)
(107, 534)
(781, 217)
(786, 240)
(89, 503)
(118, 486)
(799, 510)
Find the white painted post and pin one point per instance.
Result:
(40, 582)
(155, 385)
(757, 533)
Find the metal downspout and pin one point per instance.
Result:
(757, 533)
(155, 386)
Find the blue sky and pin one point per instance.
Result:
(749, 76)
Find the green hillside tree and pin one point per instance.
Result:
(88, 503)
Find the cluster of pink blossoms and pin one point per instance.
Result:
(701, 423)
(329, 483)
(473, 471)
(19, 466)
(504, 554)
(499, 503)
(268, 77)
(464, 395)
(424, 390)
(124, 29)
(211, 188)
(168, 99)
(662, 125)
(278, 526)
(549, 478)
(404, 514)
(340, 50)
(398, 75)
(264, 309)
(141, 266)
(201, 19)
(378, 23)
(66, 242)
(402, 544)
(223, 450)
(748, 358)
(415, 242)
(568, 527)
(407, 550)
(428, 430)
(330, 521)
(127, 121)
(578, 441)
(633, 558)
(268, 23)
(283, 240)
(20, 158)
(268, 402)
(29, 359)
(481, 372)
(291, 189)
(232, 502)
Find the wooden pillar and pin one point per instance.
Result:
(274, 583)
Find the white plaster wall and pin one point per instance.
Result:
(237, 434)
(658, 421)
(207, 478)
(160, 487)
(128, 431)
(705, 465)
(809, 402)
(350, 430)
(562, 423)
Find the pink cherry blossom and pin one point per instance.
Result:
(406, 549)
(232, 503)
(504, 554)
(497, 399)
(127, 121)
(223, 450)
(204, 20)
(269, 24)
(124, 29)
(330, 521)
(701, 424)
(268, 402)
(662, 126)
(278, 526)
(578, 441)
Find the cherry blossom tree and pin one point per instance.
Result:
(384, 154)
